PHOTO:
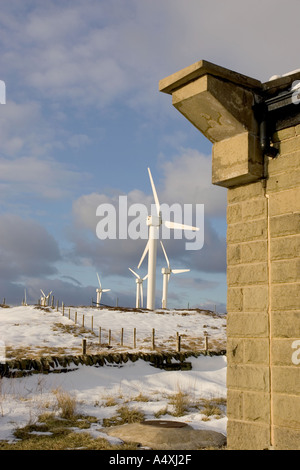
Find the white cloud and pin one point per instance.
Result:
(41, 177)
(94, 54)
(187, 180)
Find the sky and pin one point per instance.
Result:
(84, 119)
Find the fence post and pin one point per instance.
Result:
(206, 342)
(122, 336)
(83, 321)
(153, 338)
(134, 338)
(100, 335)
(57, 306)
(63, 308)
(92, 323)
(84, 346)
(69, 313)
(109, 337)
(178, 341)
(75, 317)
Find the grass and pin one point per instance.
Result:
(180, 402)
(125, 415)
(55, 430)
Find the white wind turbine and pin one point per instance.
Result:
(154, 222)
(139, 288)
(100, 290)
(45, 298)
(166, 272)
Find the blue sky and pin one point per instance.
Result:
(84, 119)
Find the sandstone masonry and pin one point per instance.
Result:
(262, 173)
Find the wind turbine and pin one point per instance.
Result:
(166, 272)
(45, 298)
(139, 288)
(100, 290)
(154, 222)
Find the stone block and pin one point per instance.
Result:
(254, 209)
(286, 380)
(248, 377)
(247, 231)
(286, 324)
(234, 300)
(255, 299)
(283, 163)
(245, 192)
(285, 202)
(284, 225)
(286, 411)
(256, 351)
(281, 351)
(242, 275)
(253, 325)
(234, 213)
(237, 160)
(284, 134)
(286, 438)
(285, 247)
(282, 181)
(256, 407)
(285, 296)
(235, 404)
(289, 145)
(235, 350)
(286, 271)
(243, 435)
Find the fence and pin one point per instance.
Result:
(105, 336)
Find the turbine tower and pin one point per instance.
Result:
(166, 272)
(154, 222)
(139, 288)
(100, 290)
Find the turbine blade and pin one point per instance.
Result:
(176, 225)
(144, 254)
(105, 290)
(177, 271)
(99, 280)
(144, 278)
(134, 273)
(42, 292)
(167, 259)
(154, 193)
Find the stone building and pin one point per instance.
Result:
(255, 131)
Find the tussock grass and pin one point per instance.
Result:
(180, 402)
(66, 404)
(125, 415)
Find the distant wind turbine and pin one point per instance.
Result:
(100, 290)
(139, 288)
(154, 222)
(45, 298)
(166, 272)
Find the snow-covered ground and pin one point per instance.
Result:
(27, 331)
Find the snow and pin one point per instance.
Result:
(30, 331)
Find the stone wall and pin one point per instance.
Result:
(263, 242)
(263, 276)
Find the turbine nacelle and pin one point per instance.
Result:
(154, 220)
